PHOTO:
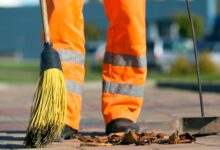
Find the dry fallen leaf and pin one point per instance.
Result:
(116, 138)
(174, 138)
(94, 139)
(130, 138)
(187, 138)
(133, 137)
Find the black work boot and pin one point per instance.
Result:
(68, 133)
(121, 125)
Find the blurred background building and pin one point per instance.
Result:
(20, 26)
(168, 29)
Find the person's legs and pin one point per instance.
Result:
(67, 34)
(124, 69)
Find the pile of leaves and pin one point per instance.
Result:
(133, 137)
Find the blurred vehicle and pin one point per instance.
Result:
(162, 54)
(154, 53)
(215, 54)
(91, 48)
(99, 54)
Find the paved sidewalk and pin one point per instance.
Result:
(161, 108)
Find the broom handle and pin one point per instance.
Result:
(196, 59)
(44, 16)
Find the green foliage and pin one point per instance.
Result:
(88, 67)
(19, 66)
(185, 27)
(18, 71)
(93, 32)
(206, 64)
(98, 67)
(218, 7)
(181, 66)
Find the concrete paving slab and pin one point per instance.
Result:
(160, 110)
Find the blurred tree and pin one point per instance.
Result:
(218, 6)
(93, 32)
(185, 27)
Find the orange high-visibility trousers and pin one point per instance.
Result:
(124, 69)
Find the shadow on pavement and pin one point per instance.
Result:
(92, 133)
(11, 146)
(13, 132)
(11, 138)
(8, 138)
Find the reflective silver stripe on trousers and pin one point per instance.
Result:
(125, 60)
(123, 89)
(74, 87)
(71, 56)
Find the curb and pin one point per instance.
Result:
(206, 87)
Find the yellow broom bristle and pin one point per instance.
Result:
(48, 112)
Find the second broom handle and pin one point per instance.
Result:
(196, 59)
(43, 6)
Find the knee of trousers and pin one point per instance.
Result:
(66, 24)
(127, 26)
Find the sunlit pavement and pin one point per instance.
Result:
(161, 108)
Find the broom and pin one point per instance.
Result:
(47, 113)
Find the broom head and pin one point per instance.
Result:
(48, 110)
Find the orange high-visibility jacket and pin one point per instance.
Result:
(124, 69)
